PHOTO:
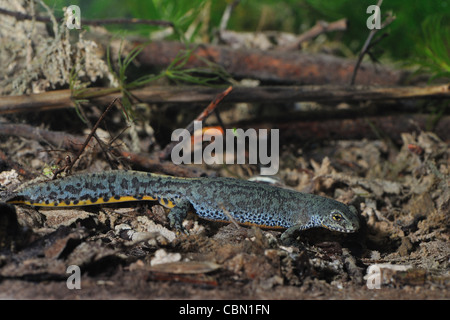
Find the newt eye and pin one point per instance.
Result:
(337, 217)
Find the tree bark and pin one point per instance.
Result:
(274, 66)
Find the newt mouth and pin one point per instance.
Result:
(340, 229)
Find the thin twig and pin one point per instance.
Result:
(65, 168)
(99, 141)
(367, 46)
(99, 22)
(201, 117)
(92, 22)
(91, 134)
(210, 108)
(319, 28)
(230, 216)
(227, 14)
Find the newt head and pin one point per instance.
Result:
(342, 219)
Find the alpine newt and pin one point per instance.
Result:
(218, 199)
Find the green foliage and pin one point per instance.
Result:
(175, 72)
(434, 48)
(120, 75)
(404, 32)
(285, 15)
(182, 13)
(200, 76)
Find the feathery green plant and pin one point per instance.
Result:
(175, 71)
(434, 49)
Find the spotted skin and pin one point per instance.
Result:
(247, 202)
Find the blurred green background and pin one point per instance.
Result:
(420, 34)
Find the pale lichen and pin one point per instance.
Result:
(34, 59)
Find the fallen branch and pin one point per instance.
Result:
(356, 128)
(60, 140)
(196, 94)
(58, 99)
(276, 66)
(372, 127)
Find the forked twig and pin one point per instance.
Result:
(91, 134)
(201, 117)
(367, 45)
